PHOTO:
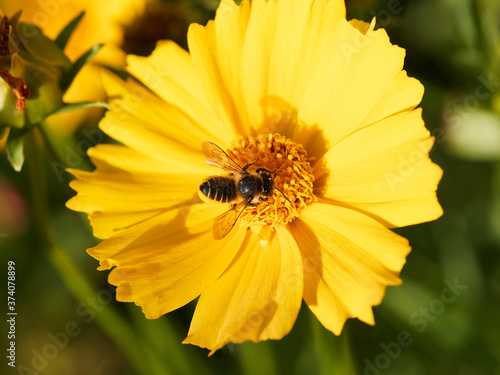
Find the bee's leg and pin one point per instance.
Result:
(249, 164)
(263, 199)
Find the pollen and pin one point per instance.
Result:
(293, 178)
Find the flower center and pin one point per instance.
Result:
(292, 174)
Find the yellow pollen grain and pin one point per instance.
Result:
(293, 177)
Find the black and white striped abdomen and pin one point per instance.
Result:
(220, 189)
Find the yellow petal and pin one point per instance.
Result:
(167, 261)
(349, 259)
(385, 170)
(201, 46)
(142, 121)
(169, 72)
(304, 30)
(227, 37)
(402, 94)
(351, 77)
(257, 298)
(362, 26)
(110, 157)
(128, 187)
(123, 192)
(257, 49)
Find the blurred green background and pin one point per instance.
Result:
(444, 319)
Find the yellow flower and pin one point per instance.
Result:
(290, 86)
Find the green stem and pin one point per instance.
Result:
(49, 144)
(112, 323)
(56, 158)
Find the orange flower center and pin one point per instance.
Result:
(292, 174)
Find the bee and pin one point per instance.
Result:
(240, 187)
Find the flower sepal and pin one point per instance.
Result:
(15, 148)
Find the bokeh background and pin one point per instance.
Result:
(444, 319)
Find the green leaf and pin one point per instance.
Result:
(14, 20)
(68, 107)
(63, 38)
(14, 147)
(38, 48)
(78, 65)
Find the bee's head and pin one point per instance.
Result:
(267, 183)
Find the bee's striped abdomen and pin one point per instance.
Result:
(220, 189)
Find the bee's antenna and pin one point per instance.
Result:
(284, 195)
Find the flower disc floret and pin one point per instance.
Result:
(293, 181)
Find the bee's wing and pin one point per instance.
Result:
(214, 155)
(225, 222)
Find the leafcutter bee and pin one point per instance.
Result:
(239, 187)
